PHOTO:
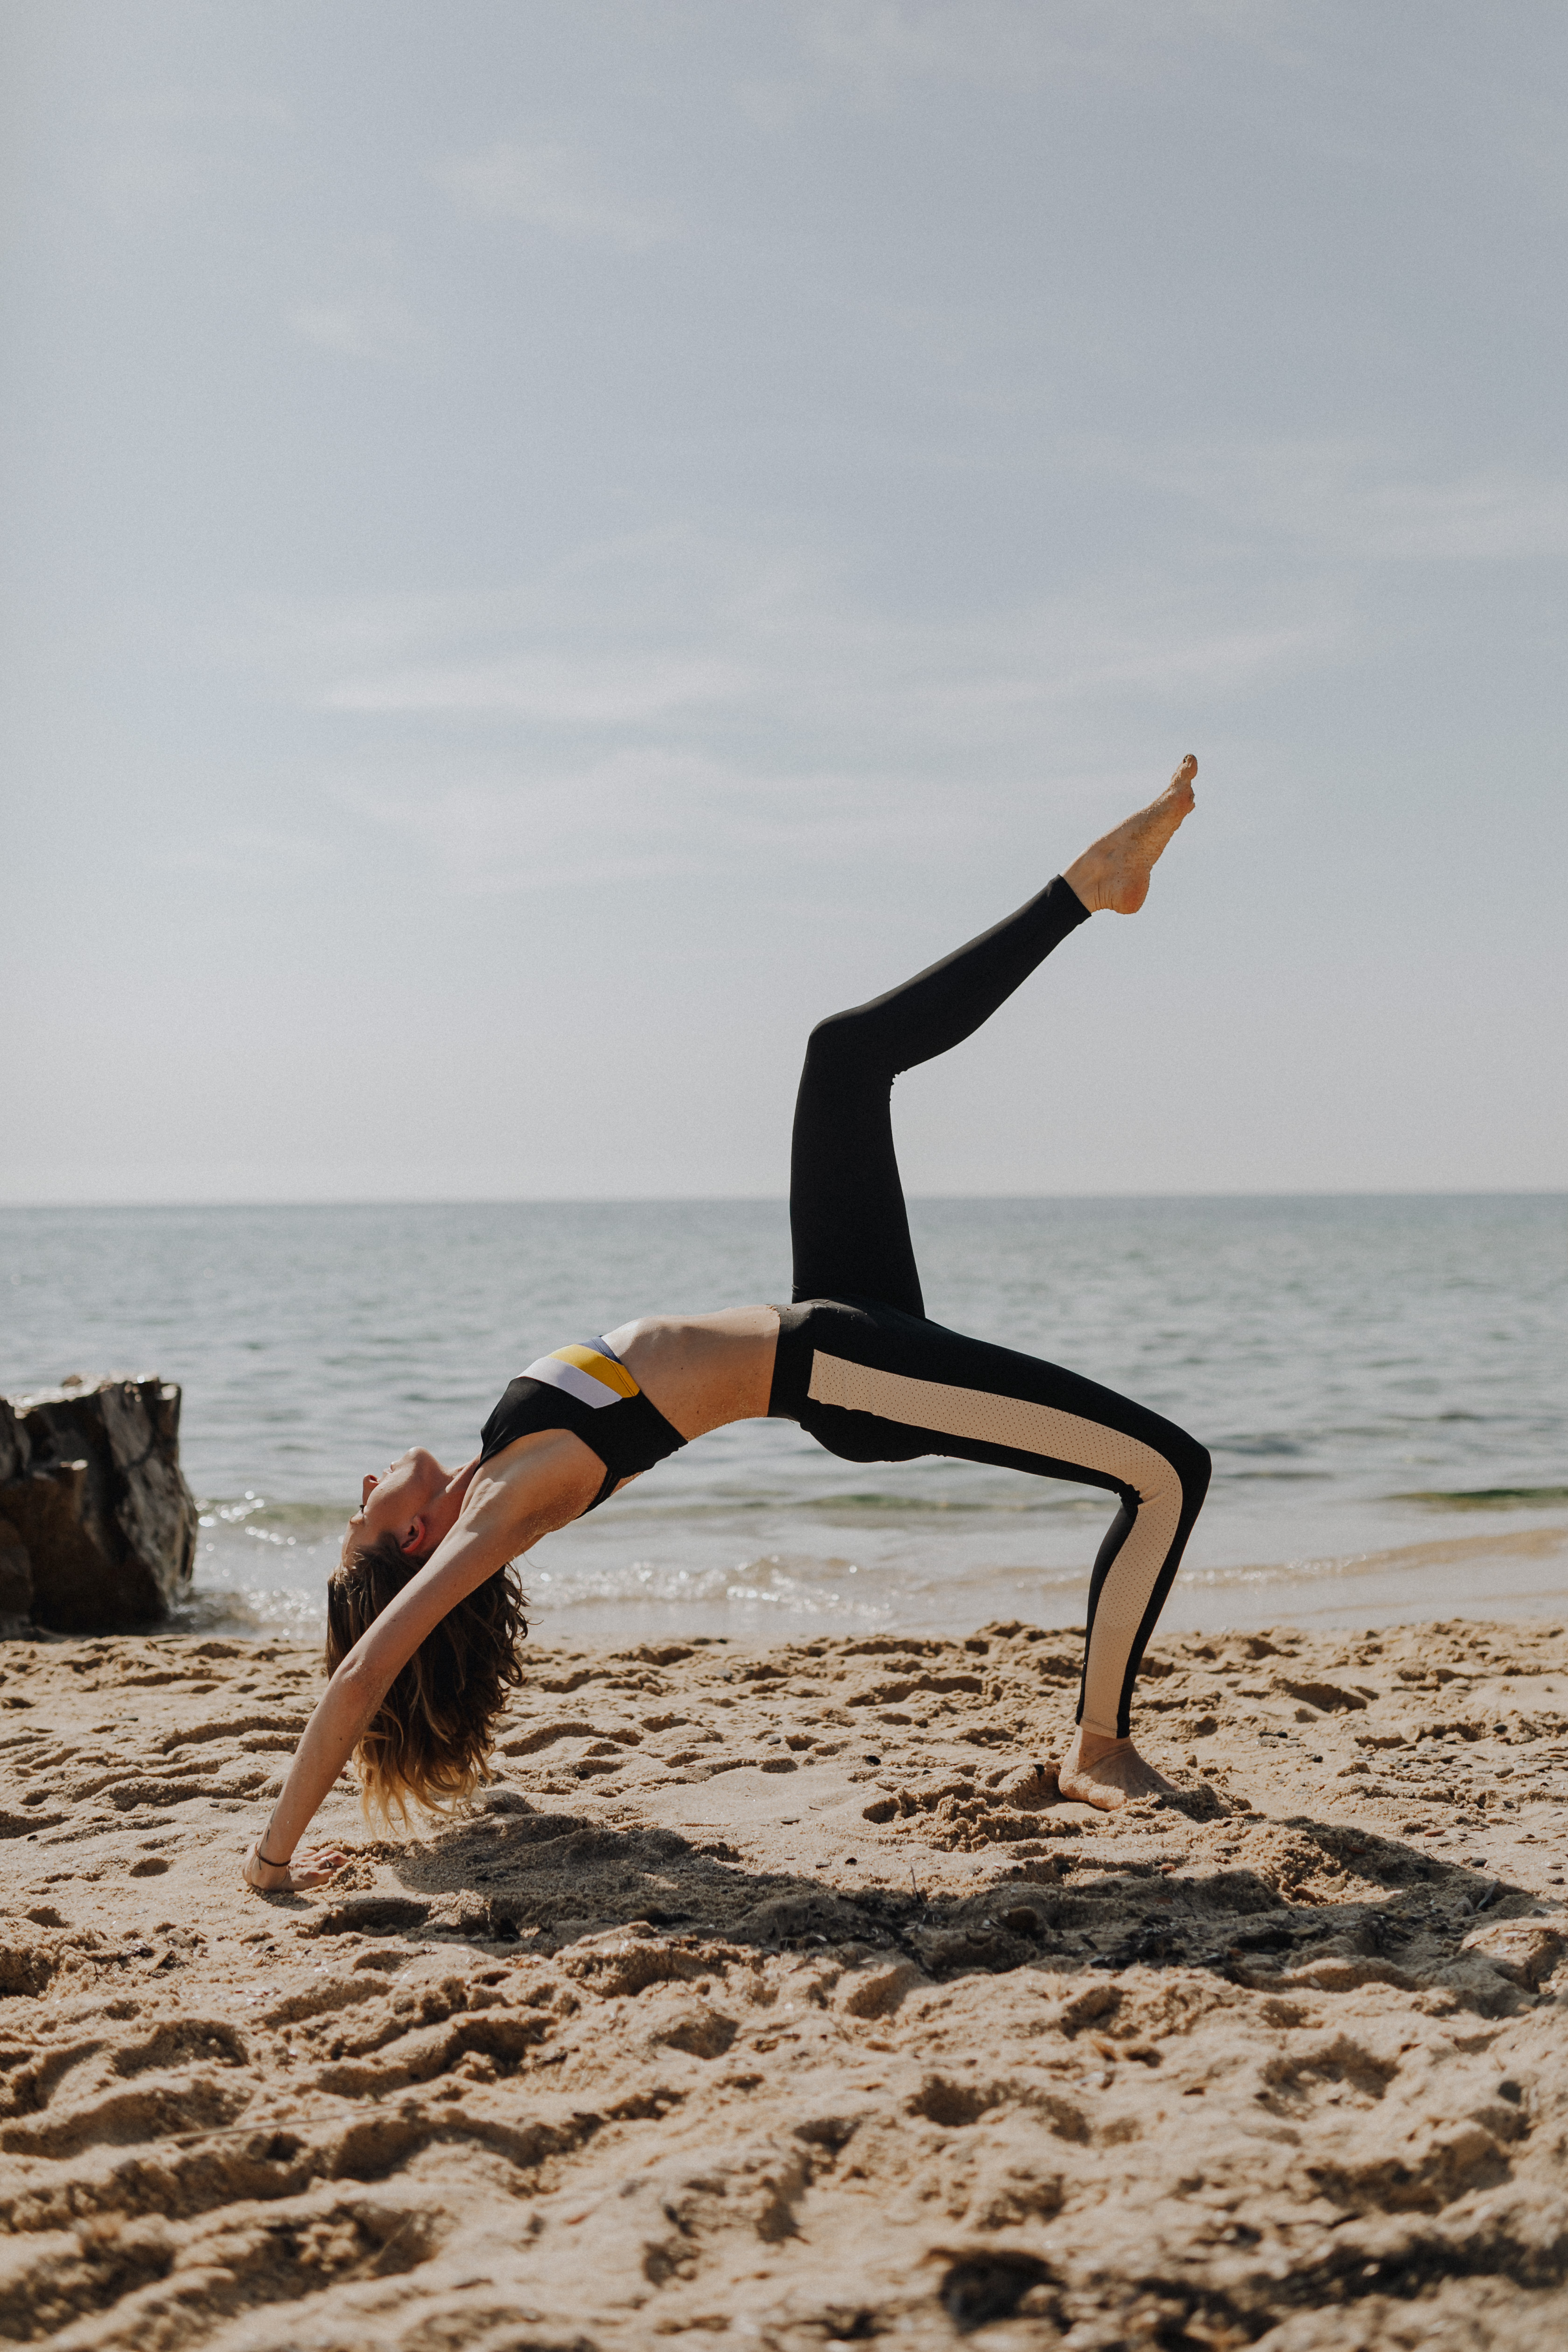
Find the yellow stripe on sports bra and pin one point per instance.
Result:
(599, 1368)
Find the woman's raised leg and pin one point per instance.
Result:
(848, 1222)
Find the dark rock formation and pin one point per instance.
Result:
(97, 1527)
(16, 1573)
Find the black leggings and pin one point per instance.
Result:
(861, 1368)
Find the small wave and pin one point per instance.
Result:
(292, 1610)
(778, 1585)
(1531, 1543)
(901, 1507)
(1274, 1477)
(254, 1514)
(211, 1608)
(1485, 1498)
(1264, 1442)
(1033, 1496)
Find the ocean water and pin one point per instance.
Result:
(1382, 1382)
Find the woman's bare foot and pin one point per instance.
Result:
(1115, 872)
(1107, 1772)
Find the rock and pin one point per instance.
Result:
(16, 1573)
(13, 1445)
(93, 1502)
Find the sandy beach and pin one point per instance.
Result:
(775, 1998)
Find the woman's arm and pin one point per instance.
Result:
(492, 1530)
(349, 1704)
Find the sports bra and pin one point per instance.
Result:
(586, 1389)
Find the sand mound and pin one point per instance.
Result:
(777, 2000)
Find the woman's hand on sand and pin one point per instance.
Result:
(311, 1865)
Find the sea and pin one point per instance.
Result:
(1382, 1382)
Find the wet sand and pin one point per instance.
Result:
(775, 2000)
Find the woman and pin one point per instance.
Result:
(425, 1613)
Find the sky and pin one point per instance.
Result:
(547, 546)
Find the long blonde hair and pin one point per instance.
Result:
(431, 1738)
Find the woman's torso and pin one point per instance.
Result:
(626, 1399)
(701, 1370)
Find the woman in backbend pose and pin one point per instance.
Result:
(424, 1614)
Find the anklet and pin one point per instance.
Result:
(266, 1858)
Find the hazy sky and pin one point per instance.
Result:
(548, 546)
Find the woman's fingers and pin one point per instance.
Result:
(314, 1866)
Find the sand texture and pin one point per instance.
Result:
(775, 2000)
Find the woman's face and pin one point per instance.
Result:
(406, 1499)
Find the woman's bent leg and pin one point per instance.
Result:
(1134, 1571)
(871, 1384)
(847, 1219)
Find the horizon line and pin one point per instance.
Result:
(781, 1200)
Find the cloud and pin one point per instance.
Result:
(247, 854)
(552, 186)
(556, 688)
(706, 648)
(361, 326)
(170, 109)
(832, 670)
(872, 46)
(152, 153)
(1365, 503)
(875, 43)
(645, 813)
(781, 719)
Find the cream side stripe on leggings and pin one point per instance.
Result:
(1024, 1428)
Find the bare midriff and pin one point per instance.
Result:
(701, 1370)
